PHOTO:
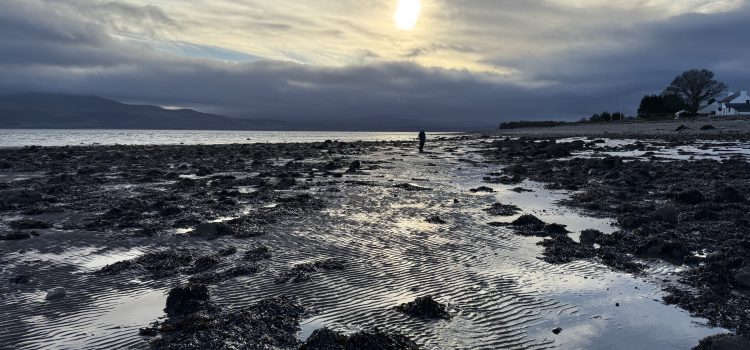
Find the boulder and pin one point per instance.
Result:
(20, 197)
(56, 293)
(742, 277)
(589, 237)
(435, 220)
(724, 342)
(425, 307)
(354, 166)
(666, 214)
(729, 194)
(187, 299)
(690, 197)
(212, 230)
(528, 220)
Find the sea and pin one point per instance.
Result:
(82, 137)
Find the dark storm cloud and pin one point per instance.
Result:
(85, 49)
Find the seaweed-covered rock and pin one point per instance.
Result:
(269, 324)
(690, 197)
(20, 197)
(257, 254)
(376, 339)
(212, 230)
(481, 189)
(14, 236)
(529, 221)
(435, 220)
(20, 279)
(729, 194)
(187, 299)
(354, 166)
(499, 209)
(412, 187)
(28, 224)
(724, 342)
(589, 237)
(555, 229)
(742, 277)
(303, 272)
(425, 307)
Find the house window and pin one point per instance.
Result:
(747, 101)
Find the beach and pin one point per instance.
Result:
(594, 236)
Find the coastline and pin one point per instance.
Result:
(304, 213)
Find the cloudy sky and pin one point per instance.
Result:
(355, 64)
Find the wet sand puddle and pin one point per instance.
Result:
(498, 291)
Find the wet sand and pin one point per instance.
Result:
(335, 235)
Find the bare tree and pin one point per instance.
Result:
(695, 86)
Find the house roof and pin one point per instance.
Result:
(731, 97)
(740, 107)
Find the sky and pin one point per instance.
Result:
(373, 64)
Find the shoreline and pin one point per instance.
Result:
(296, 212)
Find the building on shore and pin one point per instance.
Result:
(735, 103)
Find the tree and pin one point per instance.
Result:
(665, 105)
(695, 86)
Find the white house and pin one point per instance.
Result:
(735, 103)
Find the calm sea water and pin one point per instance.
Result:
(39, 137)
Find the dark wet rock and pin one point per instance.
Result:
(742, 277)
(729, 194)
(257, 254)
(435, 220)
(555, 229)
(20, 279)
(562, 249)
(204, 263)
(56, 293)
(325, 339)
(228, 251)
(412, 187)
(28, 224)
(669, 250)
(520, 190)
(212, 230)
(529, 221)
(690, 197)
(158, 264)
(557, 330)
(505, 180)
(20, 197)
(303, 272)
(666, 214)
(589, 237)
(708, 127)
(481, 189)
(354, 167)
(499, 209)
(14, 236)
(187, 299)
(199, 324)
(724, 342)
(376, 339)
(682, 128)
(285, 183)
(424, 307)
(224, 275)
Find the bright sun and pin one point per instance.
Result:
(407, 14)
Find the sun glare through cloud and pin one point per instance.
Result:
(407, 14)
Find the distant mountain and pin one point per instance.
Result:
(60, 111)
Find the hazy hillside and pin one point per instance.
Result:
(43, 110)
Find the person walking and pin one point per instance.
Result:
(422, 140)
